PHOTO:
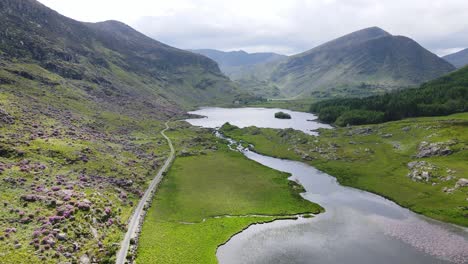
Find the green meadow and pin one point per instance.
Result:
(208, 196)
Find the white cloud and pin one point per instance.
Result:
(282, 26)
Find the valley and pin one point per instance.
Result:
(118, 148)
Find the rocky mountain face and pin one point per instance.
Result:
(458, 59)
(362, 63)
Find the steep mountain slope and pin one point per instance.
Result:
(361, 63)
(98, 53)
(236, 64)
(458, 59)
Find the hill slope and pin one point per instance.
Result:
(459, 59)
(443, 96)
(365, 62)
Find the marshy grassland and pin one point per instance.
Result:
(393, 159)
(210, 194)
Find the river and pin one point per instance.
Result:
(357, 227)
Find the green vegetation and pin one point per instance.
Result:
(443, 96)
(378, 158)
(282, 115)
(210, 194)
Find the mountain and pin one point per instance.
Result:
(365, 62)
(236, 63)
(459, 59)
(98, 53)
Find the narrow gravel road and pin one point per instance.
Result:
(136, 218)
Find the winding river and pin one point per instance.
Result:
(357, 227)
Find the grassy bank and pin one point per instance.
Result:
(375, 158)
(208, 180)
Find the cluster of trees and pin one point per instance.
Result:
(443, 96)
(282, 115)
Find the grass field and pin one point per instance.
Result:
(206, 198)
(375, 158)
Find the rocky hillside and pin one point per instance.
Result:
(365, 62)
(459, 59)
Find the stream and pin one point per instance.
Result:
(357, 227)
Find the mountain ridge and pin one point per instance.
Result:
(458, 59)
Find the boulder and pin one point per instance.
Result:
(61, 236)
(462, 183)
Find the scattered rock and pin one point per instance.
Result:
(360, 131)
(421, 171)
(448, 190)
(6, 118)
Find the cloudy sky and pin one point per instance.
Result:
(283, 26)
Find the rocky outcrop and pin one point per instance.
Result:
(426, 149)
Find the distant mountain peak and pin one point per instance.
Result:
(376, 31)
(353, 38)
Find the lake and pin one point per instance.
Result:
(259, 117)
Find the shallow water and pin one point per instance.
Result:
(357, 227)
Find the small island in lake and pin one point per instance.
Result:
(282, 115)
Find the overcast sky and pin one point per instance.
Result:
(283, 26)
